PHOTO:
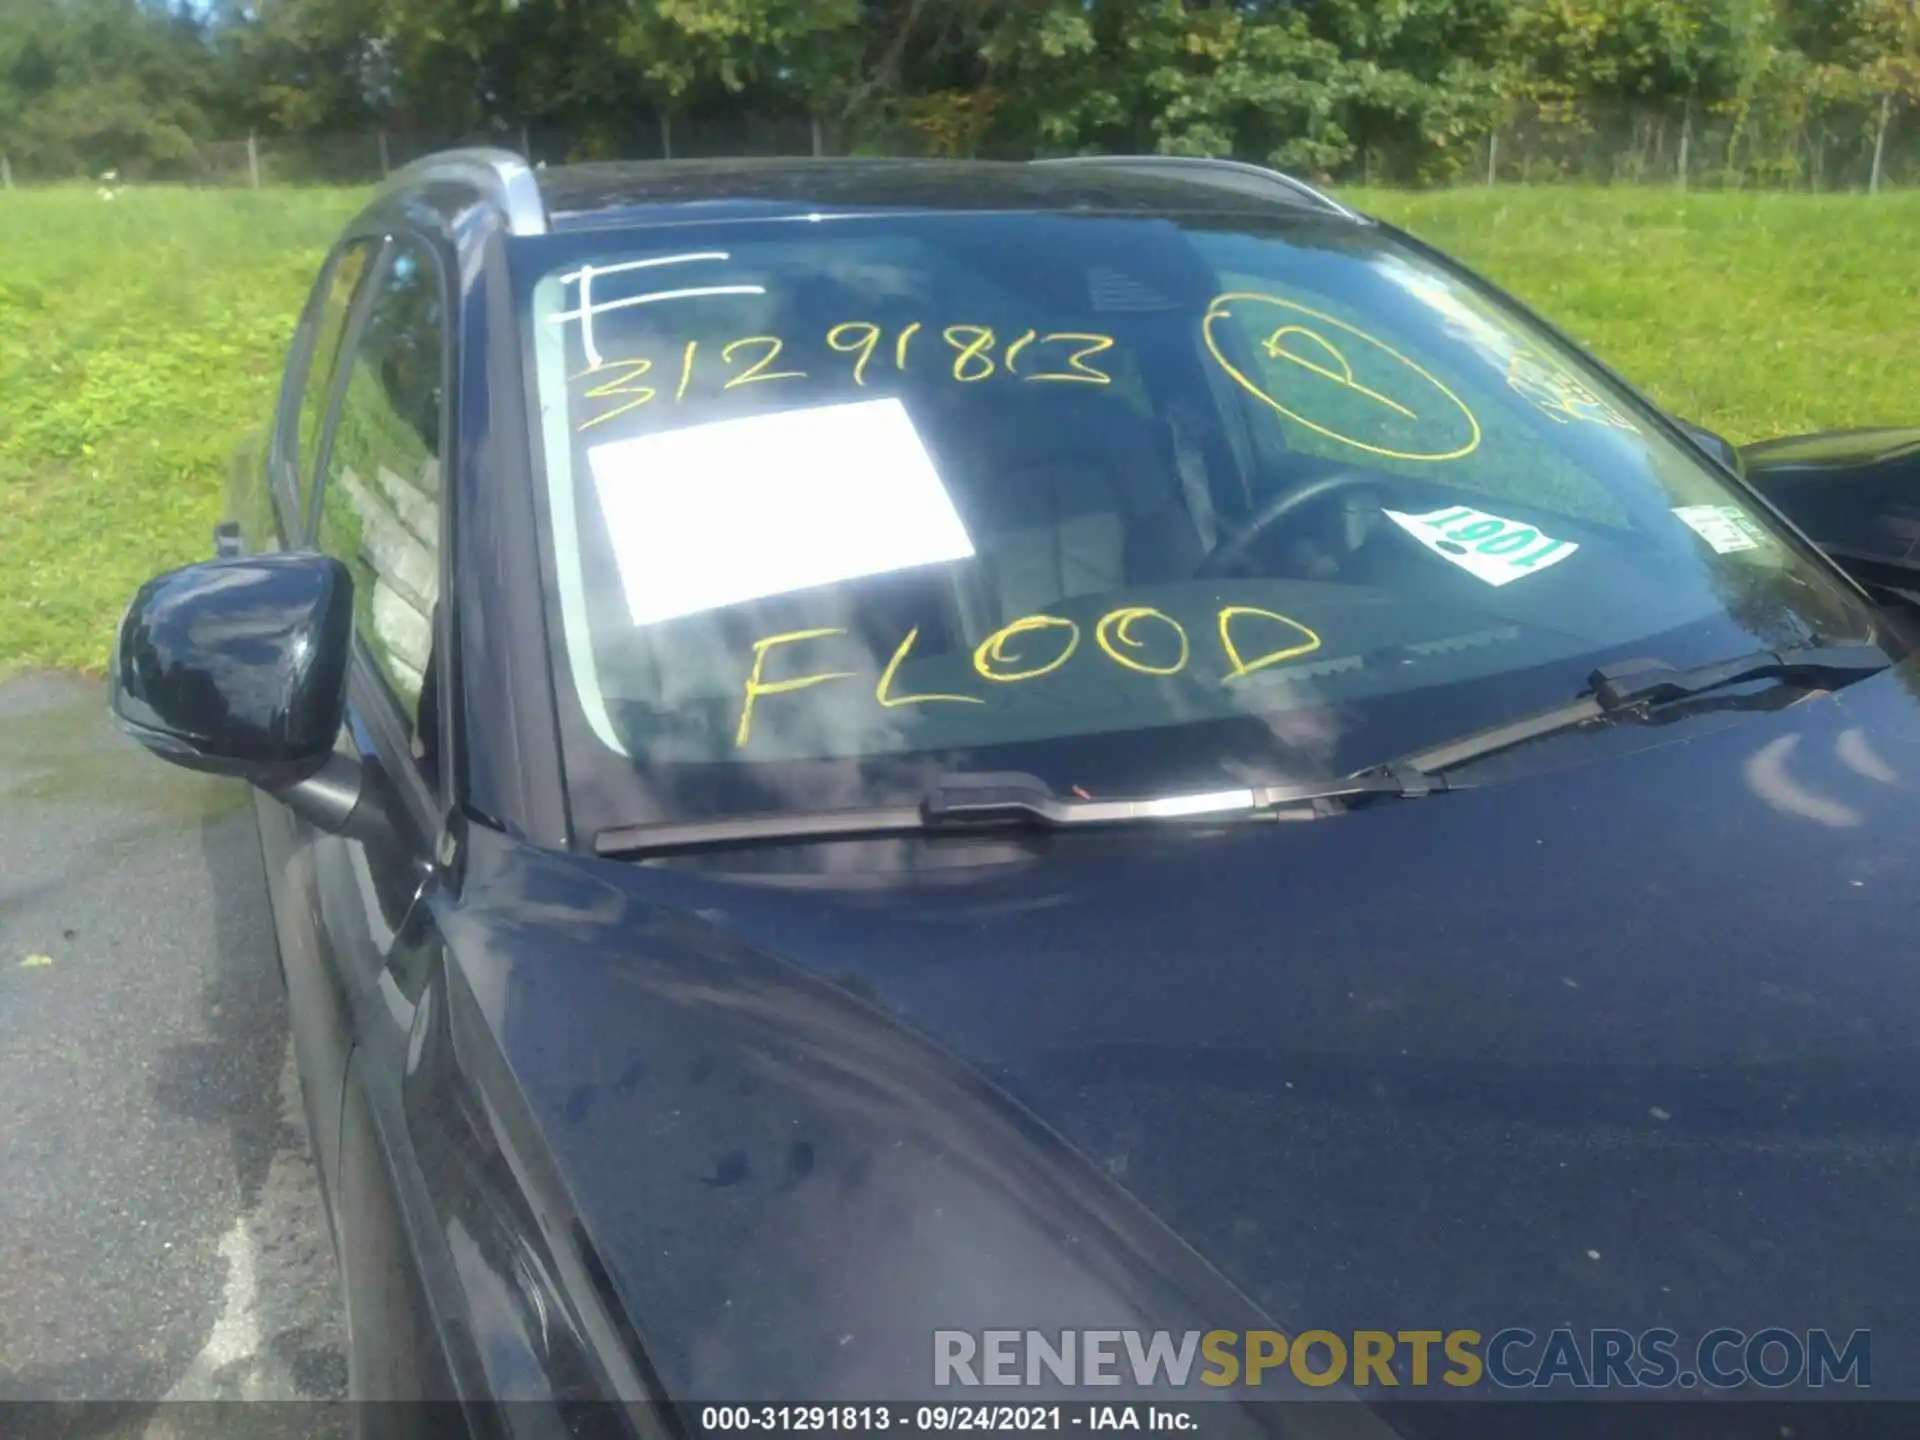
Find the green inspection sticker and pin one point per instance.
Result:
(1725, 528)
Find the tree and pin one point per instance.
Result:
(1639, 49)
(94, 85)
(1395, 89)
(678, 47)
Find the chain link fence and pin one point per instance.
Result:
(1833, 147)
(1818, 147)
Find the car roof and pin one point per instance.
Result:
(638, 193)
(590, 196)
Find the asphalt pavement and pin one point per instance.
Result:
(161, 1233)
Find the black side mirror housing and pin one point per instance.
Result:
(1716, 445)
(1855, 493)
(238, 666)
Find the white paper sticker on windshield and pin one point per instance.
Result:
(1726, 528)
(711, 515)
(1487, 547)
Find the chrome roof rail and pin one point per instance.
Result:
(1261, 175)
(500, 175)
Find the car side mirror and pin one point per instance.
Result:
(1716, 445)
(1855, 493)
(238, 666)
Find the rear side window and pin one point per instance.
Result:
(335, 295)
(380, 504)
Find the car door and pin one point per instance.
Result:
(377, 508)
(270, 487)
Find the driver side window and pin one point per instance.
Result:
(333, 307)
(380, 497)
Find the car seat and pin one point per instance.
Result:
(1066, 492)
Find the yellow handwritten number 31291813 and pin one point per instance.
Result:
(973, 354)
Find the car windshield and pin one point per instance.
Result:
(1131, 502)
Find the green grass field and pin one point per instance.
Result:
(141, 337)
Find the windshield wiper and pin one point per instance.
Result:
(1629, 684)
(1013, 800)
(976, 801)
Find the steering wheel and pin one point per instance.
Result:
(1276, 512)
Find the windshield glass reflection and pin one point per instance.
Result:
(1130, 504)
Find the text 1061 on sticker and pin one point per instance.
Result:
(966, 354)
(1488, 547)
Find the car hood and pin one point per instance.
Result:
(1621, 1042)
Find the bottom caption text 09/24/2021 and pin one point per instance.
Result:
(908, 1418)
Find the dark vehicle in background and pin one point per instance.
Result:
(773, 691)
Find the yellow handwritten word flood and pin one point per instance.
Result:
(1134, 638)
